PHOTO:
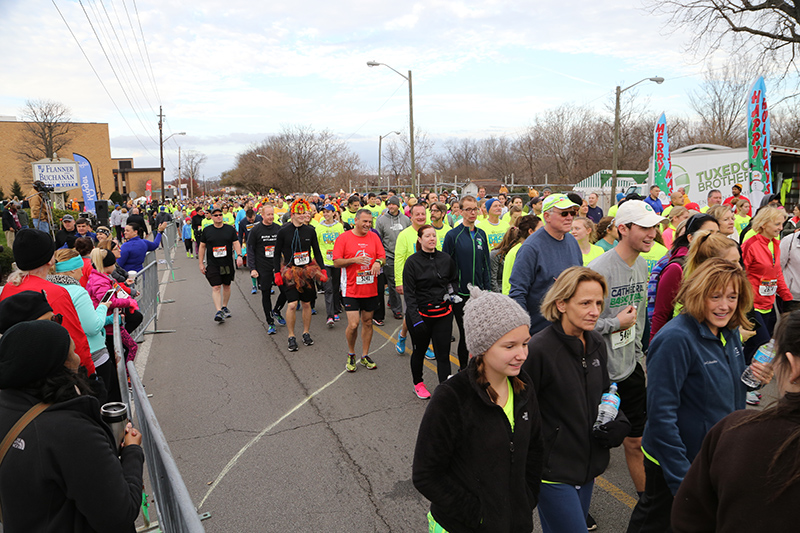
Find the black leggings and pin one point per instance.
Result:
(463, 353)
(132, 320)
(438, 331)
(188, 244)
(265, 284)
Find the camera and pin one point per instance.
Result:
(40, 186)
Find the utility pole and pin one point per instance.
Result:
(161, 148)
(414, 178)
(180, 191)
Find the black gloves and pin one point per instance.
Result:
(611, 434)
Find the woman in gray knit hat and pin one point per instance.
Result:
(478, 457)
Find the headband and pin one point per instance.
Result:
(68, 265)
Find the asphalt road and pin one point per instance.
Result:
(269, 440)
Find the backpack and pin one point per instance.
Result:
(655, 276)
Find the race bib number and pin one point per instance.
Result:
(768, 287)
(364, 277)
(269, 251)
(301, 258)
(329, 255)
(219, 251)
(622, 338)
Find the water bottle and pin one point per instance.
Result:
(609, 406)
(115, 414)
(764, 355)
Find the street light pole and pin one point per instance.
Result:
(414, 183)
(161, 146)
(380, 151)
(614, 156)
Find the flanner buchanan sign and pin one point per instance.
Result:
(62, 174)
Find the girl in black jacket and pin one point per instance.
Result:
(428, 278)
(478, 453)
(567, 365)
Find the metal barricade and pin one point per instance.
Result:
(119, 353)
(149, 296)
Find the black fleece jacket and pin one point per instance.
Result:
(63, 473)
(478, 474)
(425, 281)
(569, 383)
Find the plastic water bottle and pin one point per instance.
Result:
(609, 406)
(764, 355)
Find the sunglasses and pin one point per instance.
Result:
(570, 213)
(217, 215)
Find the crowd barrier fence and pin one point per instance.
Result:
(174, 507)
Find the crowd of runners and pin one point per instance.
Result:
(556, 306)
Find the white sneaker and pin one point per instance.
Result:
(752, 398)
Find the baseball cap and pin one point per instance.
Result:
(637, 212)
(216, 209)
(393, 200)
(329, 207)
(559, 201)
(67, 218)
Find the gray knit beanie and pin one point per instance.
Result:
(488, 316)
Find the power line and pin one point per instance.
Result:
(100, 79)
(113, 70)
(150, 78)
(144, 42)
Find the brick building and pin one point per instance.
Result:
(89, 139)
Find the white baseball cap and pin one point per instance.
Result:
(637, 212)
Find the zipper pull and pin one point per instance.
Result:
(583, 362)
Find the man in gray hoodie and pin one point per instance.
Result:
(389, 225)
(623, 320)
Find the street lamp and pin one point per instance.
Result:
(264, 157)
(163, 191)
(658, 80)
(380, 138)
(410, 122)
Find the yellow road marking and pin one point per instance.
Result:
(430, 365)
(615, 491)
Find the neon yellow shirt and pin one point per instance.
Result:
(440, 233)
(206, 222)
(508, 408)
(404, 247)
(653, 256)
(494, 232)
(227, 218)
(739, 222)
(326, 237)
(508, 265)
(594, 252)
(349, 217)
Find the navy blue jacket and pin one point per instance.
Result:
(693, 382)
(540, 260)
(470, 251)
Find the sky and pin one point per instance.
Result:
(231, 73)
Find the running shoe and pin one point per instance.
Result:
(188, 254)
(421, 391)
(219, 317)
(278, 318)
(752, 398)
(378, 322)
(226, 312)
(307, 340)
(591, 524)
(430, 355)
(350, 366)
(313, 311)
(336, 318)
(367, 362)
(272, 291)
(254, 290)
(401, 345)
(330, 322)
(271, 329)
(292, 344)
(398, 316)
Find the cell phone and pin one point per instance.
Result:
(107, 296)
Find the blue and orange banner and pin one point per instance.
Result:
(662, 164)
(758, 141)
(87, 182)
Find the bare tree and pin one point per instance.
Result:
(500, 159)
(191, 163)
(296, 159)
(785, 124)
(47, 129)
(720, 105)
(769, 30)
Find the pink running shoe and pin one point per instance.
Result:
(421, 392)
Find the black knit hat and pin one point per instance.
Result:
(23, 306)
(30, 351)
(32, 248)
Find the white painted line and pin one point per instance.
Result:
(263, 432)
